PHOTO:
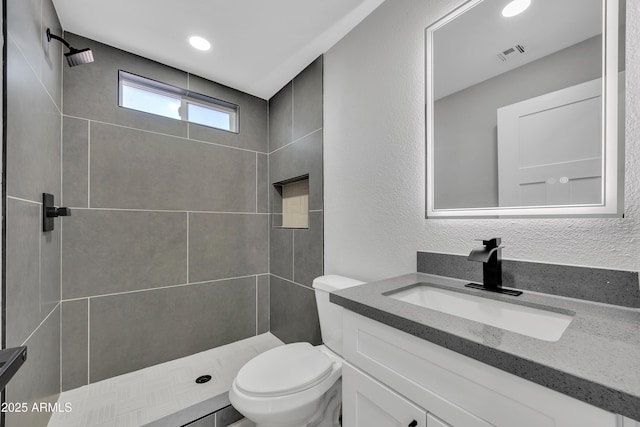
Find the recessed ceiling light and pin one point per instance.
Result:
(199, 43)
(516, 7)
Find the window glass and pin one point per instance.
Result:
(208, 116)
(150, 96)
(150, 102)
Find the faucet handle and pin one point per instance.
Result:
(494, 242)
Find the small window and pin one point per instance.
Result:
(150, 96)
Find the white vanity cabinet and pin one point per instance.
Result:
(368, 403)
(391, 378)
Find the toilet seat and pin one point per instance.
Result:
(284, 370)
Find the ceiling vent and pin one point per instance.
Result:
(511, 52)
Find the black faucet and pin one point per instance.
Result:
(491, 258)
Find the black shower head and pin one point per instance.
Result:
(74, 56)
(79, 57)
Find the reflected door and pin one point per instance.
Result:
(550, 148)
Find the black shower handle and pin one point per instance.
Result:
(53, 212)
(49, 212)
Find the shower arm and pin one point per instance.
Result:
(60, 39)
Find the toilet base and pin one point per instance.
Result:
(328, 413)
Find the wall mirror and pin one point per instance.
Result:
(525, 109)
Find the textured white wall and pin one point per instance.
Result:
(374, 169)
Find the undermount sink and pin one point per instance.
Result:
(538, 323)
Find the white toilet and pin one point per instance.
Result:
(298, 385)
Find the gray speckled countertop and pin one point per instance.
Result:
(597, 359)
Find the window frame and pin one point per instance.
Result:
(185, 97)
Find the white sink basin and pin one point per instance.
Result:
(533, 322)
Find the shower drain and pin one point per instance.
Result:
(203, 379)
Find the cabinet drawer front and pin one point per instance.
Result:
(368, 403)
(457, 389)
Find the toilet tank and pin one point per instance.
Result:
(329, 313)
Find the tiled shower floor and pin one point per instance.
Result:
(162, 395)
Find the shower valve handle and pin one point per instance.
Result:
(53, 212)
(49, 212)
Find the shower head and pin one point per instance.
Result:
(74, 56)
(79, 57)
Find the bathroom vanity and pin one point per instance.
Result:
(409, 365)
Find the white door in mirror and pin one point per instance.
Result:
(548, 137)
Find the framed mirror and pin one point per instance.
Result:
(525, 109)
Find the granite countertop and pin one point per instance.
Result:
(597, 359)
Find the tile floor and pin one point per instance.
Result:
(163, 395)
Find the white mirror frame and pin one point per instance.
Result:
(613, 150)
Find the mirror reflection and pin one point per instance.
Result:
(518, 105)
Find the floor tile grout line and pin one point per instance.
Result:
(188, 139)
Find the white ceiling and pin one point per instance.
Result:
(466, 48)
(257, 45)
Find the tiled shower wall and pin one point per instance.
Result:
(166, 251)
(34, 103)
(296, 255)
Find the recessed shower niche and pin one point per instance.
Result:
(291, 203)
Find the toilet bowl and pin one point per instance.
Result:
(297, 385)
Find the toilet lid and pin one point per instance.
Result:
(284, 370)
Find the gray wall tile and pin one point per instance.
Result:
(294, 313)
(24, 26)
(75, 161)
(263, 183)
(115, 251)
(39, 379)
(281, 252)
(227, 245)
(51, 67)
(140, 161)
(307, 100)
(75, 343)
(23, 264)
(32, 285)
(92, 92)
(263, 304)
(227, 416)
(181, 321)
(49, 269)
(252, 127)
(142, 170)
(33, 154)
(308, 261)
(280, 120)
(304, 157)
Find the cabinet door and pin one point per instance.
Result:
(435, 422)
(368, 403)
